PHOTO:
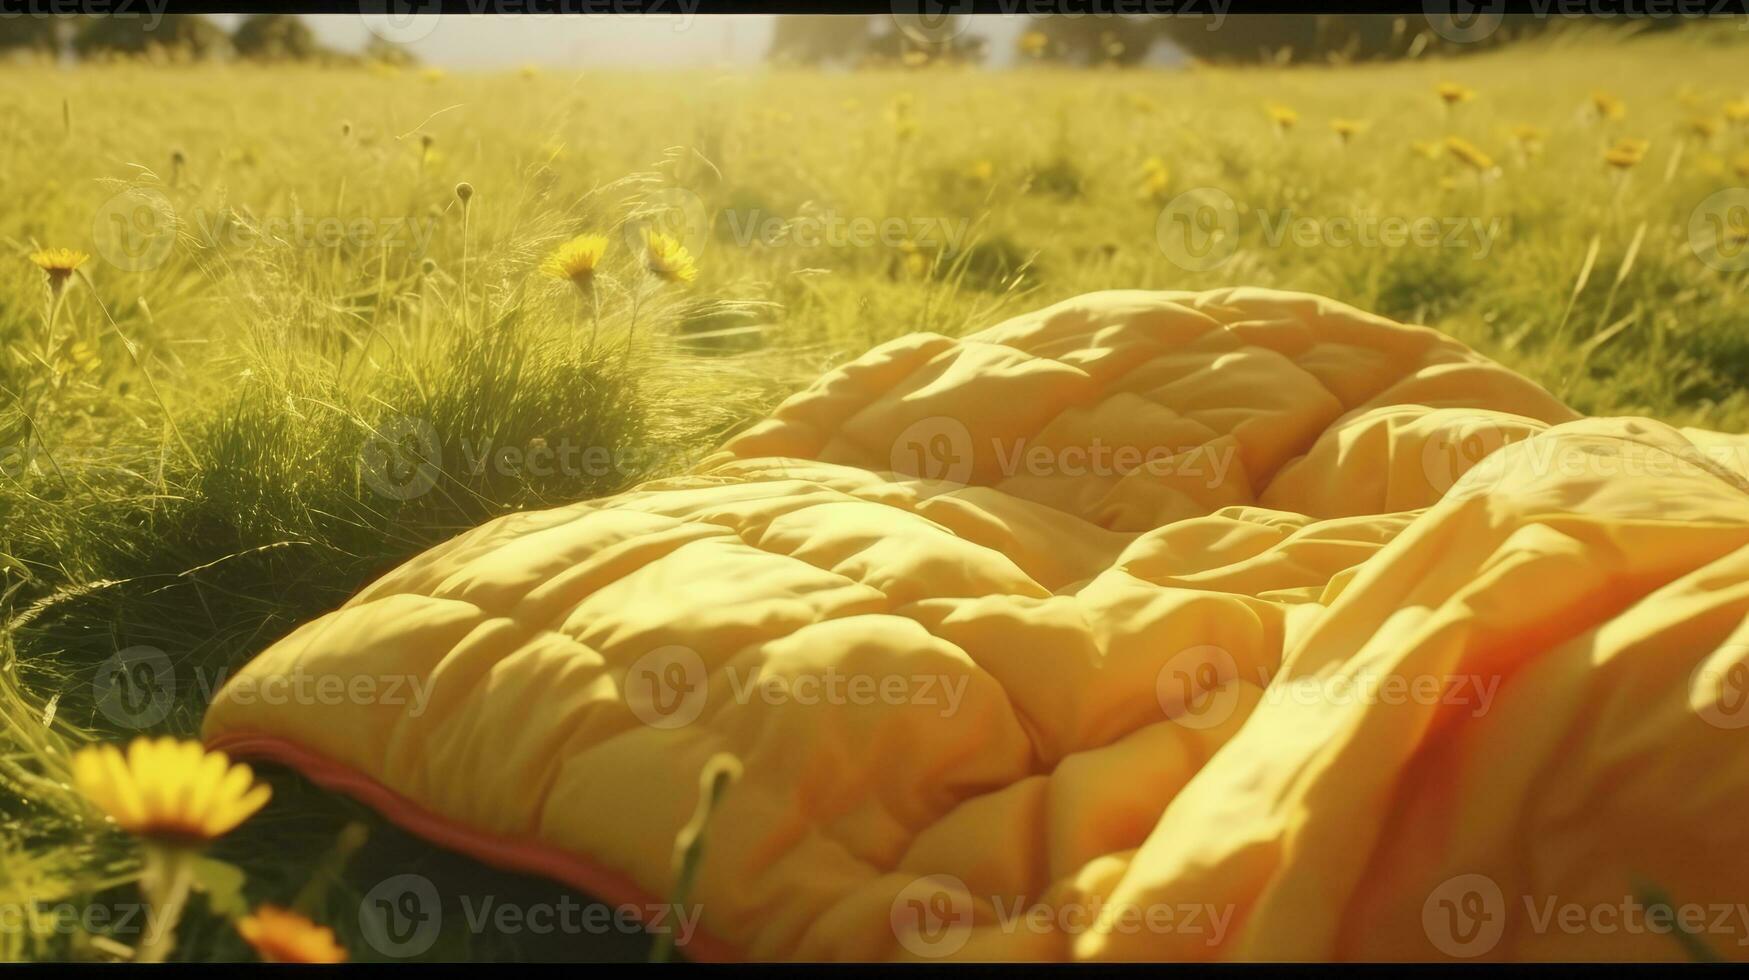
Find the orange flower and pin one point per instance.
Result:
(281, 936)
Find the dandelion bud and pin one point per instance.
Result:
(428, 267)
(465, 191)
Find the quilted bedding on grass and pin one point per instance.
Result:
(1226, 625)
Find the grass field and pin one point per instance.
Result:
(285, 282)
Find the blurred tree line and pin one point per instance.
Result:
(258, 37)
(1127, 40)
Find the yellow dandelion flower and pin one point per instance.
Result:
(1527, 134)
(1704, 127)
(1607, 106)
(981, 171)
(168, 789)
(576, 260)
(914, 59)
(1424, 148)
(1741, 165)
(1626, 153)
(282, 936)
(58, 264)
(1737, 110)
(1347, 129)
(1283, 117)
(529, 71)
(1451, 93)
(1156, 178)
(916, 263)
(1034, 44)
(432, 74)
(667, 259)
(1469, 154)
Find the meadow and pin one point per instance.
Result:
(301, 350)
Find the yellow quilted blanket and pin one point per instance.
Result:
(1151, 625)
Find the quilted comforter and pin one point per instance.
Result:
(1151, 625)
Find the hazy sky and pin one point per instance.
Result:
(579, 40)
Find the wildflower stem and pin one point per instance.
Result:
(720, 772)
(166, 881)
(595, 317)
(466, 299)
(632, 329)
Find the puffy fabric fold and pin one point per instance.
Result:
(1172, 626)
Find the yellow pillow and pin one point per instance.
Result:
(1151, 625)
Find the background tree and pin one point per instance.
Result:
(21, 34)
(275, 37)
(389, 53)
(135, 35)
(816, 39)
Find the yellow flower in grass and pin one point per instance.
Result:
(1424, 148)
(1451, 93)
(169, 789)
(282, 936)
(981, 171)
(58, 264)
(1469, 154)
(1626, 153)
(1347, 129)
(1607, 106)
(1737, 110)
(1034, 44)
(667, 259)
(576, 260)
(1156, 178)
(1704, 127)
(1283, 117)
(1527, 134)
(1741, 165)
